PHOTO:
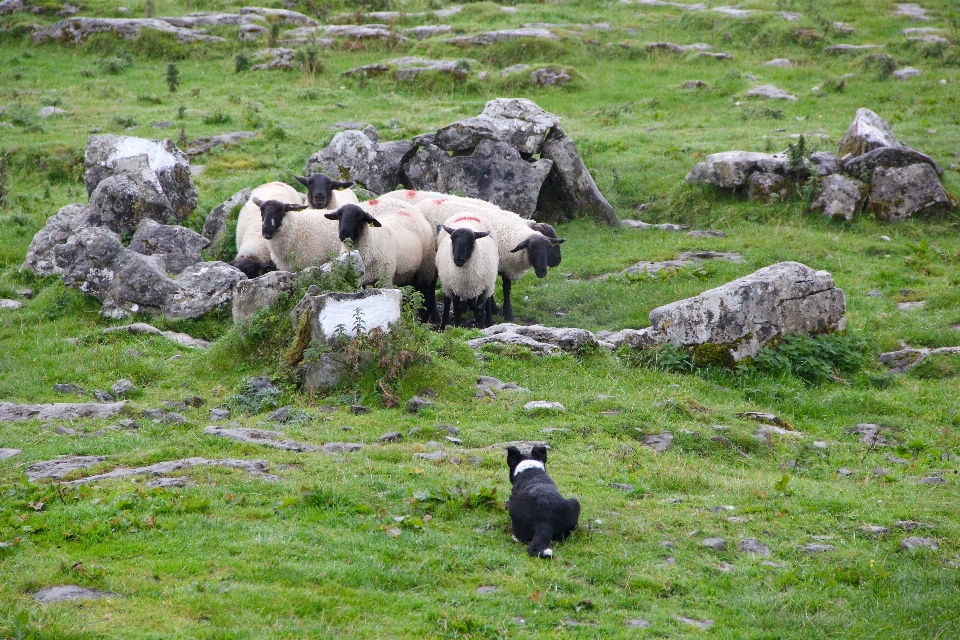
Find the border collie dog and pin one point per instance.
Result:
(538, 513)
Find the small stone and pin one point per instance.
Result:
(909, 544)
(127, 423)
(752, 545)
(64, 431)
(881, 472)
(391, 436)
(134, 353)
(486, 589)
(173, 418)
(816, 548)
(693, 85)
(416, 403)
(122, 387)
(874, 294)
(6, 452)
(658, 442)
(735, 520)
(637, 623)
(435, 456)
(453, 440)
(219, 414)
(154, 414)
(706, 233)
(896, 460)
(359, 410)
(26, 293)
(717, 544)
(666, 544)
(702, 625)
(69, 388)
(168, 483)
(543, 405)
(907, 306)
(906, 73)
(874, 530)
(48, 112)
(820, 444)
(885, 238)
(70, 592)
(12, 305)
(910, 525)
(843, 472)
(933, 479)
(622, 487)
(341, 447)
(103, 396)
(454, 431)
(279, 415)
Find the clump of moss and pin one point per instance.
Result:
(711, 354)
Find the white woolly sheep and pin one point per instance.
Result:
(396, 244)
(297, 235)
(467, 267)
(253, 252)
(325, 193)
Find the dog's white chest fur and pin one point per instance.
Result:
(526, 465)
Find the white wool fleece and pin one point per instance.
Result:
(403, 250)
(478, 276)
(250, 240)
(304, 239)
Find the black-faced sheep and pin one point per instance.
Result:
(298, 236)
(396, 243)
(467, 267)
(253, 252)
(325, 193)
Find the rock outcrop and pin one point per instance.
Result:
(361, 157)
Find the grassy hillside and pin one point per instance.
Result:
(316, 553)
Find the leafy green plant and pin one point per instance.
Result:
(813, 359)
(252, 398)
(172, 77)
(241, 62)
(666, 357)
(217, 117)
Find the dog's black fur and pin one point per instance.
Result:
(538, 513)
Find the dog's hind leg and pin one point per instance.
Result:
(540, 547)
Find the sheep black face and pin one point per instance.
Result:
(320, 188)
(538, 250)
(553, 256)
(463, 241)
(272, 213)
(353, 220)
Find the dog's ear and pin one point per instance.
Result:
(539, 452)
(514, 457)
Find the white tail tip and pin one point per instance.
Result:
(547, 553)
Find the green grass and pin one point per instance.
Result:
(234, 556)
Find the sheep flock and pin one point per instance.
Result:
(404, 237)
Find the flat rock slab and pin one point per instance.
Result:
(525, 446)
(258, 468)
(659, 442)
(770, 92)
(909, 544)
(732, 169)
(260, 436)
(10, 412)
(148, 329)
(57, 469)
(168, 483)
(640, 224)
(905, 359)
(7, 452)
(752, 545)
(717, 544)
(538, 337)
(544, 405)
(334, 314)
(503, 35)
(702, 625)
(816, 548)
(332, 448)
(70, 592)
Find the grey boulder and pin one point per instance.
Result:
(867, 132)
(900, 193)
(569, 189)
(901, 156)
(179, 247)
(824, 163)
(842, 198)
(60, 226)
(215, 224)
(494, 172)
(10, 412)
(517, 121)
(732, 169)
(743, 315)
(70, 592)
(78, 29)
(769, 187)
(359, 156)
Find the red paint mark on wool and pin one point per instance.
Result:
(373, 203)
(406, 212)
(410, 193)
(439, 201)
(465, 219)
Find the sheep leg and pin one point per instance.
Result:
(478, 312)
(488, 306)
(430, 299)
(507, 306)
(456, 311)
(446, 312)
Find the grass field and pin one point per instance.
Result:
(316, 553)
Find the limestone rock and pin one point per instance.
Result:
(215, 224)
(842, 198)
(769, 92)
(503, 35)
(341, 447)
(407, 69)
(777, 62)
(259, 436)
(56, 469)
(677, 48)
(258, 468)
(911, 10)
(659, 442)
(276, 58)
(69, 592)
(7, 452)
(144, 328)
(179, 247)
(328, 371)
(334, 315)
(352, 155)
(416, 403)
(259, 293)
(77, 29)
(40, 257)
(909, 544)
(899, 193)
(569, 189)
(824, 163)
(769, 187)
(717, 544)
(867, 132)
(816, 548)
(732, 169)
(752, 545)
(284, 16)
(743, 315)
(906, 73)
(494, 172)
(201, 288)
(543, 405)
(564, 338)
(900, 156)
(516, 121)
(423, 32)
(122, 387)
(850, 48)
(549, 77)
(10, 412)
(208, 143)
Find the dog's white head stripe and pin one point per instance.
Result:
(527, 464)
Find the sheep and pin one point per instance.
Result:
(467, 267)
(325, 193)
(253, 252)
(395, 242)
(297, 235)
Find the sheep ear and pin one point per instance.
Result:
(333, 215)
(294, 207)
(556, 241)
(373, 221)
(480, 234)
(342, 184)
(522, 245)
(301, 180)
(539, 452)
(447, 229)
(257, 201)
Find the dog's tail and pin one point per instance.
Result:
(540, 547)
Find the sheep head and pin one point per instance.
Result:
(272, 213)
(538, 250)
(463, 241)
(553, 256)
(320, 188)
(353, 220)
